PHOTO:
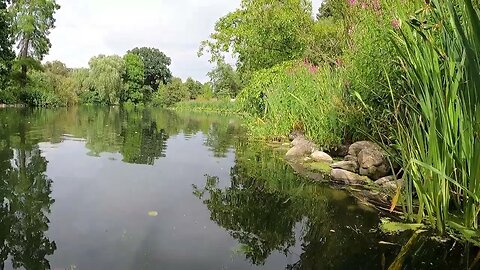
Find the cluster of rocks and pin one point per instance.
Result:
(363, 163)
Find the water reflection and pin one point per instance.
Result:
(139, 135)
(250, 200)
(268, 209)
(26, 200)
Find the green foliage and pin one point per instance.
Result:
(39, 91)
(105, 79)
(156, 66)
(171, 93)
(225, 80)
(207, 92)
(262, 33)
(32, 22)
(439, 116)
(295, 95)
(194, 88)
(328, 42)
(369, 57)
(221, 105)
(133, 79)
(6, 53)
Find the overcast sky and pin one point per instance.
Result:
(90, 27)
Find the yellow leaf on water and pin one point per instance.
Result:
(153, 213)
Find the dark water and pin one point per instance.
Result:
(104, 188)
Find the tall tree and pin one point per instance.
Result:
(133, 78)
(156, 66)
(225, 80)
(32, 22)
(106, 78)
(172, 92)
(262, 33)
(194, 88)
(6, 53)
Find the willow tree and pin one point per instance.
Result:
(32, 22)
(106, 78)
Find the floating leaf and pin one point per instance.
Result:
(388, 226)
(153, 213)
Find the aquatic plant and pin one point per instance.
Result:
(438, 118)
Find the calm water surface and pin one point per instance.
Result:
(105, 188)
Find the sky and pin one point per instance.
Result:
(88, 28)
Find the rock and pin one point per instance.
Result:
(384, 180)
(297, 152)
(301, 147)
(371, 158)
(348, 177)
(295, 134)
(355, 148)
(389, 183)
(350, 158)
(375, 172)
(320, 156)
(351, 166)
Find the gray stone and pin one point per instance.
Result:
(297, 152)
(320, 156)
(351, 166)
(347, 177)
(370, 157)
(389, 183)
(384, 180)
(355, 148)
(373, 163)
(375, 172)
(301, 147)
(350, 158)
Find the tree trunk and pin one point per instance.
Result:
(23, 76)
(23, 56)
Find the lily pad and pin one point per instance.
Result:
(388, 226)
(153, 213)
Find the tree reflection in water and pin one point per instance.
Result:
(25, 194)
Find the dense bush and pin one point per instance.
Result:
(296, 95)
(371, 64)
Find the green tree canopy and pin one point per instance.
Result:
(194, 88)
(262, 33)
(225, 80)
(156, 66)
(133, 79)
(32, 22)
(106, 78)
(6, 53)
(171, 93)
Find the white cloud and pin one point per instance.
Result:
(87, 28)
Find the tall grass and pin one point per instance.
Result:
(214, 105)
(438, 119)
(295, 96)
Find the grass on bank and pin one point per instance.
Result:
(213, 105)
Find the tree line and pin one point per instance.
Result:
(141, 76)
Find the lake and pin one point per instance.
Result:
(107, 188)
